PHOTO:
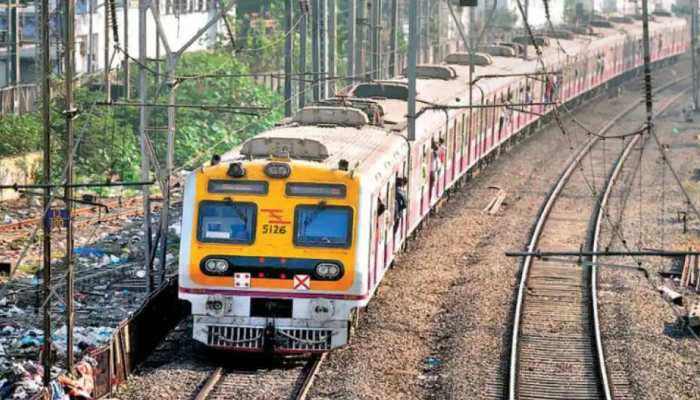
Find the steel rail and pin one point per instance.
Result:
(31, 222)
(594, 241)
(210, 384)
(310, 370)
(306, 377)
(535, 237)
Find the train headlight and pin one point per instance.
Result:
(216, 266)
(326, 270)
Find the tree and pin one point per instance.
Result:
(107, 137)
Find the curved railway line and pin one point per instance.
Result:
(292, 384)
(557, 295)
(556, 350)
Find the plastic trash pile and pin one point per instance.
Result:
(108, 290)
(24, 380)
(21, 376)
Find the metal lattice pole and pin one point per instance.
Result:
(288, 106)
(69, 20)
(303, 31)
(46, 122)
(143, 141)
(352, 37)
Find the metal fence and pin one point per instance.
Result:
(18, 99)
(135, 338)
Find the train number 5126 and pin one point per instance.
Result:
(270, 229)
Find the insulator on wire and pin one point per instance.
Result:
(113, 19)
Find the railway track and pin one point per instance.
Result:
(556, 350)
(276, 383)
(119, 209)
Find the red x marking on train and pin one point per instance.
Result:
(275, 216)
(302, 282)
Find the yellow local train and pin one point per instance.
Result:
(288, 236)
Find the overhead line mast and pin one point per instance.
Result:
(69, 113)
(46, 125)
(288, 50)
(693, 49)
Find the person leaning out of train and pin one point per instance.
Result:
(401, 201)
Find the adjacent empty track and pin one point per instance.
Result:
(556, 347)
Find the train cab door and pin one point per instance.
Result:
(493, 117)
(462, 130)
(380, 238)
(401, 210)
(425, 180)
(456, 147)
(470, 139)
(390, 221)
(482, 128)
(450, 156)
(519, 100)
(439, 165)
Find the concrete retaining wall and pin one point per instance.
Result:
(21, 170)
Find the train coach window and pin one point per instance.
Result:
(322, 226)
(226, 222)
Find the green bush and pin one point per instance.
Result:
(19, 134)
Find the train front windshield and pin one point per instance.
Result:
(323, 226)
(227, 222)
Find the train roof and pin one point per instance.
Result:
(368, 148)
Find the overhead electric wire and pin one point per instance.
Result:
(79, 138)
(559, 122)
(211, 148)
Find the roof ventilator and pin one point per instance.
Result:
(622, 19)
(431, 71)
(498, 51)
(381, 90)
(373, 110)
(479, 59)
(331, 116)
(558, 34)
(526, 40)
(601, 23)
(518, 48)
(577, 29)
(662, 13)
(301, 149)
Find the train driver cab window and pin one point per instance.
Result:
(226, 222)
(322, 226)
